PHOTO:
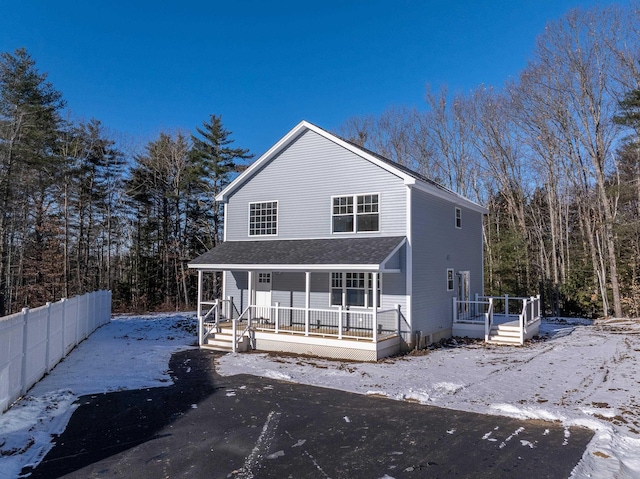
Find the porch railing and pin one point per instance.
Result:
(340, 323)
(486, 309)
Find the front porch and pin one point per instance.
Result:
(497, 319)
(341, 298)
(339, 334)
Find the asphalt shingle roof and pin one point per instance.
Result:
(318, 252)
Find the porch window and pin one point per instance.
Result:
(355, 213)
(353, 289)
(263, 218)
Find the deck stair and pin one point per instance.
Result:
(222, 340)
(506, 333)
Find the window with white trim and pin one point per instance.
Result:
(353, 289)
(450, 279)
(263, 218)
(264, 278)
(458, 218)
(355, 213)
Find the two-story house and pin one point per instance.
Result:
(332, 250)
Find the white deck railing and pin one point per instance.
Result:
(340, 323)
(485, 309)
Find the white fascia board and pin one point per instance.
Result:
(270, 153)
(357, 151)
(450, 196)
(289, 138)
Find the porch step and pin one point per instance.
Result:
(223, 341)
(501, 334)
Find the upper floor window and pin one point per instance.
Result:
(263, 218)
(355, 213)
(458, 218)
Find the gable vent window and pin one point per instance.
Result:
(263, 219)
(355, 214)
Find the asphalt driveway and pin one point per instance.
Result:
(248, 427)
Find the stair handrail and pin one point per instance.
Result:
(523, 319)
(488, 320)
(202, 321)
(234, 329)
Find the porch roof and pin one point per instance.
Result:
(361, 254)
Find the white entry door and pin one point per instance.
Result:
(263, 296)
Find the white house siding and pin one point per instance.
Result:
(438, 245)
(303, 178)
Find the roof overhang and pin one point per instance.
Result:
(336, 254)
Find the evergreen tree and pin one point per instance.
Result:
(218, 162)
(29, 119)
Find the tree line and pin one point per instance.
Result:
(555, 157)
(554, 154)
(78, 214)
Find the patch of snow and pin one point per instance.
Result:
(277, 375)
(585, 374)
(582, 375)
(275, 455)
(346, 419)
(129, 352)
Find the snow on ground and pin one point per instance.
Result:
(130, 352)
(582, 375)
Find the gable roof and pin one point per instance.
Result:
(336, 254)
(410, 177)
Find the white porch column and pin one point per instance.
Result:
(250, 291)
(200, 321)
(374, 288)
(307, 300)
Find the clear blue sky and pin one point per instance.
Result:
(144, 66)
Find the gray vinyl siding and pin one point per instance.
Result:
(438, 245)
(235, 285)
(303, 178)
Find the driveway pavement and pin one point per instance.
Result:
(248, 427)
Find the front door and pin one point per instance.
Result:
(263, 296)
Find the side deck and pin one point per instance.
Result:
(497, 319)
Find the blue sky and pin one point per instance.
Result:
(144, 66)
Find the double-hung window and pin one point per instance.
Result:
(353, 289)
(355, 213)
(450, 280)
(263, 218)
(458, 217)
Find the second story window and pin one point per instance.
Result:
(263, 218)
(355, 213)
(458, 218)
